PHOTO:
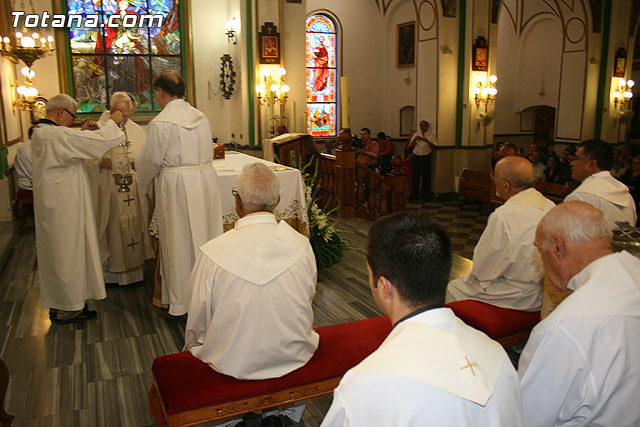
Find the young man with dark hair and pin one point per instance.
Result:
(432, 369)
(598, 187)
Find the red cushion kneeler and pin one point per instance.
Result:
(186, 383)
(497, 322)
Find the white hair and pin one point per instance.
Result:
(61, 101)
(258, 188)
(120, 96)
(576, 221)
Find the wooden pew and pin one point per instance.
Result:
(553, 192)
(475, 185)
(186, 391)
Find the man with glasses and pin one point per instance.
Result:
(598, 187)
(251, 290)
(69, 266)
(178, 153)
(507, 270)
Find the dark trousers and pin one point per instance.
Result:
(421, 167)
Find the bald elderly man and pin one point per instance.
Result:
(580, 365)
(507, 270)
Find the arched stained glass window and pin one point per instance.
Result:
(133, 41)
(322, 41)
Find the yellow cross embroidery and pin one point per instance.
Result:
(469, 365)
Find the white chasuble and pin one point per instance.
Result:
(123, 218)
(178, 152)
(432, 370)
(250, 300)
(69, 267)
(609, 196)
(507, 269)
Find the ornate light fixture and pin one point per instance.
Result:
(21, 46)
(484, 91)
(622, 95)
(272, 89)
(232, 28)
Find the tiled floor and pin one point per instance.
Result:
(98, 373)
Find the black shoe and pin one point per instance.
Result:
(53, 313)
(271, 421)
(181, 319)
(85, 314)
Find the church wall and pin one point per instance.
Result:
(294, 18)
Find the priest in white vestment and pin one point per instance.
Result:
(123, 217)
(69, 267)
(178, 153)
(598, 187)
(432, 369)
(507, 270)
(251, 290)
(580, 366)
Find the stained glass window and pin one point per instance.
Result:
(133, 41)
(321, 76)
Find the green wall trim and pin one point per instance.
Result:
(250, 73)
(461, 64)
(604, 56)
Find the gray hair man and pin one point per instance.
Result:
(507, 270)
(258, 278)
(123, 218)
(579, 366)
(69, 264)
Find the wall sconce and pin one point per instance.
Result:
(484, 91)
(232, 28)
(622, 95)
(25, 92)
(272, 89)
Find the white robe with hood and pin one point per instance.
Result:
(69, 267)
(178, 152)
(432, 370)
(251, 292)
(609, 196)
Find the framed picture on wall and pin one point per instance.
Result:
(620, 63)
(269, 44)
(480, 55)
(406, 44)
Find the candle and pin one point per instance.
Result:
(293, 117)
(344, 100)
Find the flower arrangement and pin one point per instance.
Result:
(325, 239)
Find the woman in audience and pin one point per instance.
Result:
(552, 171)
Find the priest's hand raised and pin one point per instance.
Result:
(89, 125)
(117, 117)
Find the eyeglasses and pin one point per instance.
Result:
(70, 113)
(235, 192)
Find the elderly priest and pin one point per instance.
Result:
(251, 290)
(432, 369)
(123, 217)
(178, 153)
(507, 270)
(580, 365)
(69, 265)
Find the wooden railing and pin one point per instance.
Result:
(377, 195)
(343, 181)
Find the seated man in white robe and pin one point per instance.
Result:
(507, 270)
(251, 290)
(123, 217)
(178, 153)
(598, 187)
(432, 369)
(580, 365)
(23, 165)
(69, 268)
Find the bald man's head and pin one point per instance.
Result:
(170, 82)
(518, 171)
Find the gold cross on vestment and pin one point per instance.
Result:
(128, 200)
(469, 365)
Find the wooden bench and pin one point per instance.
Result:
(475, 185)
(186, 391)
(508, 327)
(553, 192)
